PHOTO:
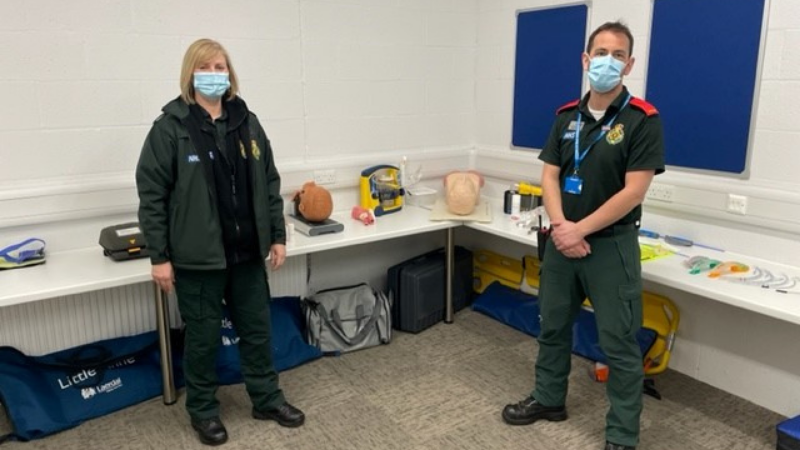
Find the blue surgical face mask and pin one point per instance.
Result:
(212, 85)
(605, 73)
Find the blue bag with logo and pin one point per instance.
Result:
(53, 392)
(289, 346)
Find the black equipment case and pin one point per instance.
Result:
(417, 289)
(123, 242)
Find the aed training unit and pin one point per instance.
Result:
(381, 190)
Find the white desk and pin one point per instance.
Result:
(68, 273)
(502, 225)
(85, 270)
(408, 221)
(79, 271)
(670, 272)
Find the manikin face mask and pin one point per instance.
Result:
(25, 253)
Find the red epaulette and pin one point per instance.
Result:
(647, 108)
(569, 105)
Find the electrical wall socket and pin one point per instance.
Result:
(737, 204)
(661, 192)
(327, 176)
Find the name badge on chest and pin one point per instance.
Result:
(573, 125)
(573, 184)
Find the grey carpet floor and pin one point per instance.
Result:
(441, 389)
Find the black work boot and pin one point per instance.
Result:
(286, 415)
(530, 410)
(610, 446)
(210, 431)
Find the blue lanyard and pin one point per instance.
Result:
(580, 155)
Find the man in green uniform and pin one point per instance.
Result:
(599, 160)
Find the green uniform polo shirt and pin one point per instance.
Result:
(635, 141)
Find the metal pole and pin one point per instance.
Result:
(449, 264)
(162, 324)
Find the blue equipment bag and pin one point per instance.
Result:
(789, 434)
(289, 347)
(521, 311)
(510, 306)
(50, 393)
(586, 342)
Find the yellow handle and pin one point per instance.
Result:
(527, 188)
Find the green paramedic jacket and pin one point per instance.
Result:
(178, 211)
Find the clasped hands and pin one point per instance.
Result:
(568, 239)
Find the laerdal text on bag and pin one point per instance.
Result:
(110, 386)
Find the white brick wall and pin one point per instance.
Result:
(85, 79)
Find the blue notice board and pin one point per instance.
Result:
(702, 78)
(548, 71)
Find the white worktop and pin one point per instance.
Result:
(77, 271)
(85, 270)
(504, 226)
(670, 271)
(410, 220)
(67, 273)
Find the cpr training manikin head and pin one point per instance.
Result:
(313, 202)
(462, 191)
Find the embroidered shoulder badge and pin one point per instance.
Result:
(616, 135)
(254, 149)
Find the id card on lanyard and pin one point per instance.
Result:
(573, 184)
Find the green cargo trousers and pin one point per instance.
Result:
(246, 292)
(611, 278)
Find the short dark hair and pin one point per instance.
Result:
(614, 27)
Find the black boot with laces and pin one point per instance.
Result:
(529, 410)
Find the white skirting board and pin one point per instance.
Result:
(62, 322)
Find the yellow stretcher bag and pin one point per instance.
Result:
(490, 267)
(659, 313)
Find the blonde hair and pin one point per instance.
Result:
(200, 51)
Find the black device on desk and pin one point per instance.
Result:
(316, 228)
(123, 242)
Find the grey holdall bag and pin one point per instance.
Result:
(348, 318)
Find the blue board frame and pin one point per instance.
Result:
(547, 71)
(702, 75)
